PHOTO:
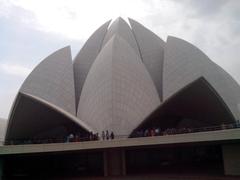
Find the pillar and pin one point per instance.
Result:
(231, 159)
(1, 168)
(114, 162)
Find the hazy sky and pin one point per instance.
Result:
(30, 30)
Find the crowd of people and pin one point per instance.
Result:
(106, 135)
(72, 137)
(161, 132)
(90, 137)
(170, 131)
(75, 137)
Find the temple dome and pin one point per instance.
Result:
(125, 77)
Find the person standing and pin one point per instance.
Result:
(146, 132)
(103, 135)
(107, 135)
(157, 131)
(112, 135)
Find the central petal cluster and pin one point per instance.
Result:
(117, 90)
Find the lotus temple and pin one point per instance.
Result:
(128, 103)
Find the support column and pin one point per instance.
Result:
(114, 162)
(1, 168)
(123, 162)
(105, 163)
(231, 159)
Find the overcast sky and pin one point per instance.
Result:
(31, 30)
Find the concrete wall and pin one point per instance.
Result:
(3, 125)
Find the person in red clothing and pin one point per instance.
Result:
(152, 132)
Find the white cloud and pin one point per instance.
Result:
(14, 69)
(75, 19)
